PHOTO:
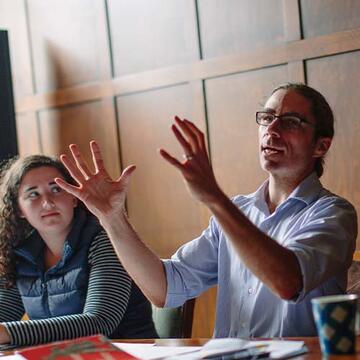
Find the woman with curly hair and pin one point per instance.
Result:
(57, 264)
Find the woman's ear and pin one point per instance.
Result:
(322, 146)
(75, 202)
(20, 214)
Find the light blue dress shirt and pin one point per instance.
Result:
(318, 226)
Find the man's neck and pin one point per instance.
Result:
(279, 189)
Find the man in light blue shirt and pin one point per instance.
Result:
(269, 252)
(246, 307)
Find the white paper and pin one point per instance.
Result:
(278, 349)
(152, 351)
(282, 348)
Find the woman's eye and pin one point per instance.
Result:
(33, 195)
(56, 189)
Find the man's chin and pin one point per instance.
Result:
(275, 168)
(270, 165)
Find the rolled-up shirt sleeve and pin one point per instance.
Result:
(193, 268)
(324, 243)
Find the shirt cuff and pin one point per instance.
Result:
(174, 297)
(11, 329)
(305, 281)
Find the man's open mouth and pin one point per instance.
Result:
(270, 150)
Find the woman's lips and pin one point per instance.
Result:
(50, 214)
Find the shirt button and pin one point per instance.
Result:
(250, 290)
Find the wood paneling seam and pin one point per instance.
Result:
(320, 46)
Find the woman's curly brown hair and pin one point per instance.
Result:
(13, 228)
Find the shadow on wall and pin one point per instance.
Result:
(62, 126)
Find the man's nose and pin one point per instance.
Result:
(275, 127)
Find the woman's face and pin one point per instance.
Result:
(47, 207)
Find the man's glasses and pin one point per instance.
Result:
(287, 121)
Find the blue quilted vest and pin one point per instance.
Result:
(62, 289)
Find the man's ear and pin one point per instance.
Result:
(322, 146)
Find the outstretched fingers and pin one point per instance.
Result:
(97, 156)
(71, 189)
(199, 134)
(126, 175)
(188, 131)
(80, 162)
(184, 144)
(73, 170)
(170, 159)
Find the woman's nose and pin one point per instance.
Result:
(48, 203)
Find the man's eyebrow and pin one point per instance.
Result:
(293, 113)
(270, 110)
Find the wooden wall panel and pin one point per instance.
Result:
(321, 17)
(239, 26)
(149, 54)
(152, 34)
(163, 212)
(159, 206)
(292, 31)
(13, 19)
(80, 124)
(28, 134)
(232, 103)
(338, 78)
(69, 42)
(204, 314)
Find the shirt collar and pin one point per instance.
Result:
(307, 191)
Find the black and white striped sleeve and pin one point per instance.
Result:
(11, 304)
(106, 302)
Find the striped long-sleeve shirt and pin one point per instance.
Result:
(106, 302)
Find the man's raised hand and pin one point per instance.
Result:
(102, 195)
(195, 168)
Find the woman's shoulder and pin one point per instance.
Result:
(85, 228)
(101, 247)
